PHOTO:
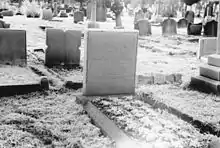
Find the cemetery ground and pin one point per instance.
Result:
(54, 119)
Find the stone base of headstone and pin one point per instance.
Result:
(110, 62)
(207, 46)
(194, 29)
(209, 78)
(13, 47)
(93, 25)
(144, 27)
(63, 47)
(169, 27)
(182, 23)
(118, 27)
(206, 85)
(78, 16)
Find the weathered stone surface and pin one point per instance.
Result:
(159, 79)
(210, 28)
(110, 62)
(170, 78)
(169, 27)
(144, 27)
(194, 29)
(189, 16)
(63, 47)
(145, 79)
(214, 60)
(47, 14)
(214, 143)
(207, 46)
(205, 84)
(93, 25)
(78, 16)
(72, 44)
(182, 23)
(13, 47)
(178, 78)
(210, 72)
(55, 52)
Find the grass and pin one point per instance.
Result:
(47, 119)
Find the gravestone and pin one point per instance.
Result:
(4, 25)
(194, 29)
(189, 16)
(55, 53)
(169, 27)
(89, 10)
(62, 47)
(72, 44)
(47, 14)
(78, 16)
(7, 13)
(210, 29)
(144, 27)
(13, 47)
(182, 23)
(100, 11)
(62, 13)
(207, 46)
(138, 16)
(110, 62)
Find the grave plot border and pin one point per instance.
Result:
(203, 127)
(107, 126)
(20, 89)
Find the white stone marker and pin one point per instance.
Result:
(110, 62)
(207, 46)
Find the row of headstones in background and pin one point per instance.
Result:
(210, 29)
(169, 27)
(13, 47)
(110, 62)
(62, 47)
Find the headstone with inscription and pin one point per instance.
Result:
(110, 62)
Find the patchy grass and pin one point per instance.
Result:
(150, 127)
(47, 119)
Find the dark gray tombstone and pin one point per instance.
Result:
(210, 29)
(78, 16)
(189, 16)
(144, 27)
(169, 27)
(13, 47)
(194, 29)
(182, 23)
